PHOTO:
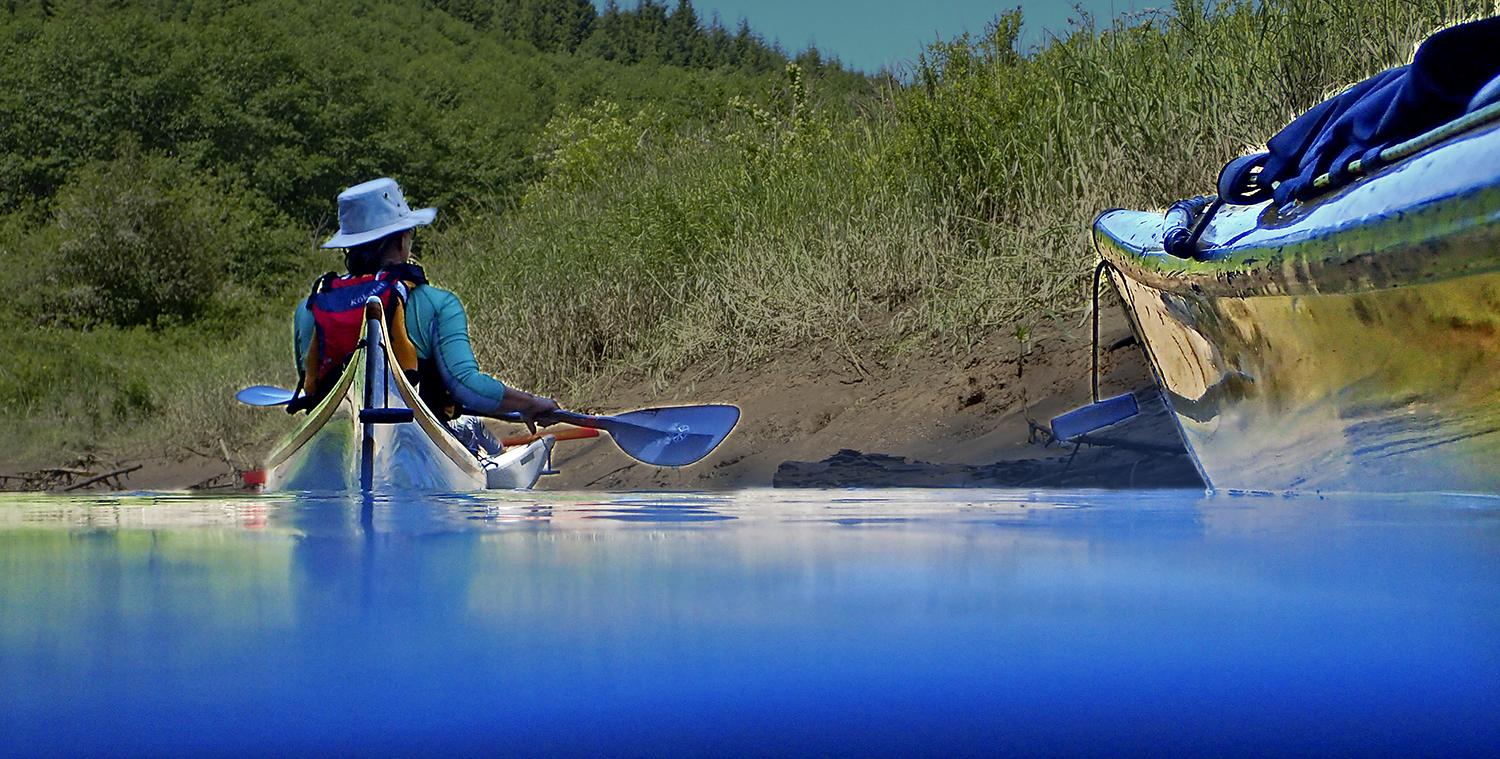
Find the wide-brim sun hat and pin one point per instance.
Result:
(372, 210)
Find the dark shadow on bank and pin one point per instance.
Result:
(1143, 452)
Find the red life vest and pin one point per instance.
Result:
(338, 308)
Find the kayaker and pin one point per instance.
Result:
(429, 330)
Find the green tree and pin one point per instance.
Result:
(719, 45)
(651, 31)
(683, 36)
(147, 240)
(606, 34)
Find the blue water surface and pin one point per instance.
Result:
(761, 622)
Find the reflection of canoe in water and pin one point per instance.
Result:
(1347, 342)
(371, 432)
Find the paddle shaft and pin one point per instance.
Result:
(670, 436)
(567, 417)
(590, 421)
(577, 433)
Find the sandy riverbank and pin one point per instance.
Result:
(831, 417)
(821, 418)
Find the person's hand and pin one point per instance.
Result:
(532, 409)
(541, 411)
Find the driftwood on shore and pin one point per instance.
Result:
(103, 478)
(1141, 452)
(64, 479)
(1093, 468)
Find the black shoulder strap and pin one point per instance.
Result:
(319, 285)
(408, 272)
(300, 401)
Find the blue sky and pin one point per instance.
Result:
(867, 34)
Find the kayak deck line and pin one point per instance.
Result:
(1411, 147)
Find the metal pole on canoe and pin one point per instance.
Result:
(374, 371)
(1101, 413)
(375, 410)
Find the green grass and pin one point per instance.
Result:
(936, 213)
(111, 391)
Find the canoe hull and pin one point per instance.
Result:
(1350, 343)
(333, 450)
(1391, 390)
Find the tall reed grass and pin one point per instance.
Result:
(942, 212)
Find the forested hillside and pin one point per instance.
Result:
(290, 98)
(166, 167)
(647, 33)
(624, 193)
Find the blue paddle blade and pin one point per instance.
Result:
(672, 436)
(263, 395)
(1081, 421)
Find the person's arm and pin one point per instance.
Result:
(535, 409)
(302, 335)
(454, 356)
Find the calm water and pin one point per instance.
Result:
(830, 622)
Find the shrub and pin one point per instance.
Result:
(147, 240)
(582, 146)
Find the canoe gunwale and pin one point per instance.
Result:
(1386, 240)
(1281, 274)
(321, 414)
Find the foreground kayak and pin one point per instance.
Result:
(1350, 342)
(372, 433)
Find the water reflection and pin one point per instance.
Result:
(808, 621)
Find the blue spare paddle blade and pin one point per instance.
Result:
(263, 395)
(673, 436)
(1081, 421)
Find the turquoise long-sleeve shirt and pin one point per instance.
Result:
(439, 328)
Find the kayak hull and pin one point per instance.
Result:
(334, 450)
(1396, 390)
(1347, 344)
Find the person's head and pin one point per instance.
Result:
(370, 257)
(375, 225)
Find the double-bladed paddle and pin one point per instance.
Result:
(667, 436)
(264, 395)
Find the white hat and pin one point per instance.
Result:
(373, 210)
